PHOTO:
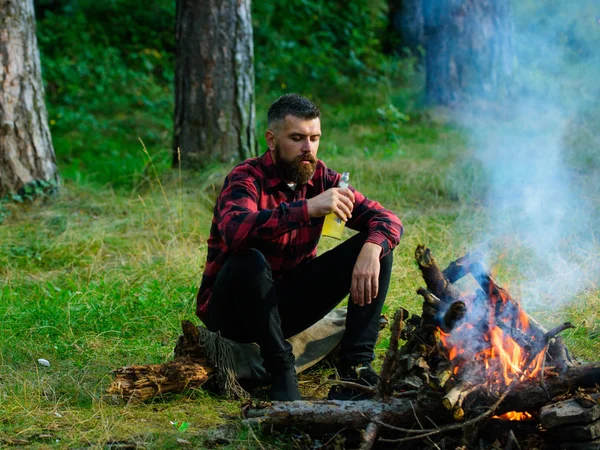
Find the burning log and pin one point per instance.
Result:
(530, 393)
(505, 305)
(436, 282)
(545, 343)
(461, 267)
(456, 312)
(457, 394)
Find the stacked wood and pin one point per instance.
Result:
(423, 393)
(421, 383)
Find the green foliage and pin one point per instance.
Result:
(109, 74)
(36, 190)
(322, 48)
(4, 211)
(392, 120)
(109, 81)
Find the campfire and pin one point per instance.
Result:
(475, 371)
(485, 339)
(495, 357)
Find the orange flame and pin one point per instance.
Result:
(503, 358)
(514, 415)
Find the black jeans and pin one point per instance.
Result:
(249, 305)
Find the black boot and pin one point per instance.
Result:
(361, 373)
(285, 386)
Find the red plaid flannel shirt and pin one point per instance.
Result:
(257, 209)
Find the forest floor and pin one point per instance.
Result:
(100, 277)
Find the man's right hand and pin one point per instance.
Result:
(339, 201)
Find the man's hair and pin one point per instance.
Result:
(291, 104)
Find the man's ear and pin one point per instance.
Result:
(271, 139)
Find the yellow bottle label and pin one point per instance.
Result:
(333, 226)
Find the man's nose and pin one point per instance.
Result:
(306, 145)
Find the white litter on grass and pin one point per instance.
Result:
(43, 362)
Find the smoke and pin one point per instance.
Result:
(539, 168)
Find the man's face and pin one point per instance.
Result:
(294, 145)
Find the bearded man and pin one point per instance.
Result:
(263, 281)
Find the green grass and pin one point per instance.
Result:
(100, 277)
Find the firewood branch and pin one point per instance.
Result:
(448, 428)
(545, 343)
(557, 330)
(371, 390)
(461, 267)
(434, 277)
(389, 364)
(370, 434)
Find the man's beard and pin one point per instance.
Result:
(295, 171)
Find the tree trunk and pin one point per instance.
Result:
(26, 152)
(469, 50)
(214, 83)
(405, 23)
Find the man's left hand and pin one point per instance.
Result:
(365, 276)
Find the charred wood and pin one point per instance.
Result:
(559, 354)
(461, 267)
(454, 314)
(530, 396)
(430, 299)
(506, 306)
(558, 329)
(434, 277)
(541, 344)
(391, 358)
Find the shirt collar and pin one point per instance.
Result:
(273, 177)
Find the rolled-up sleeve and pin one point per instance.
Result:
(383, 226)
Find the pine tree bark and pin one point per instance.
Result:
(26, 152)
(405, 22)
(469, 49)
(214, 83)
